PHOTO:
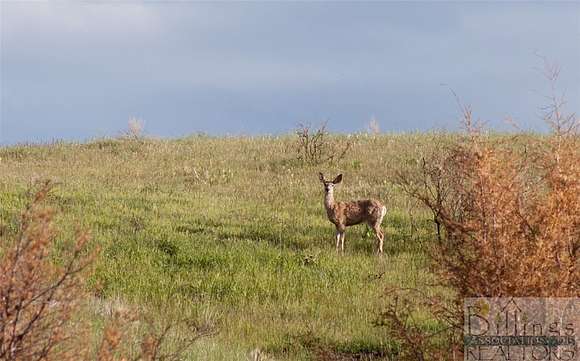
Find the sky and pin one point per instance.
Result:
(80, 70)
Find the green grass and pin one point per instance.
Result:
(233, 231)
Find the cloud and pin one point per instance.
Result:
(62, 22)
(229, 64)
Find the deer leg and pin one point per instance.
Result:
(342, 241)
(337, 240)
(380, 237)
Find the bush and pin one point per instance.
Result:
(317, 147)
(38, 297)
(507, 214)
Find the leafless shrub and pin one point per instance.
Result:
(153, 343)
(373, 127)
(400, 318)
(552, 113)
(317, 147)
(135, 128)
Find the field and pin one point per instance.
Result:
(232, 231)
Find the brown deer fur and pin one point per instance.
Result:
(344, 214)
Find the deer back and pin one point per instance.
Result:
(355, 212)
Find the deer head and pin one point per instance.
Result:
(329, 185)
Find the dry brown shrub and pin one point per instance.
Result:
(508, 225)
(40, 299)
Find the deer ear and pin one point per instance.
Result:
(338, 179)
(321, 176)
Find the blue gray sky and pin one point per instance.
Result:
(76, 71)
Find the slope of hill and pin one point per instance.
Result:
(232, 231)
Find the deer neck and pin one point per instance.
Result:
(329, 200)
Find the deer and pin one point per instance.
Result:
(345, 214)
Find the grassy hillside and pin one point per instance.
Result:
(233, 231)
